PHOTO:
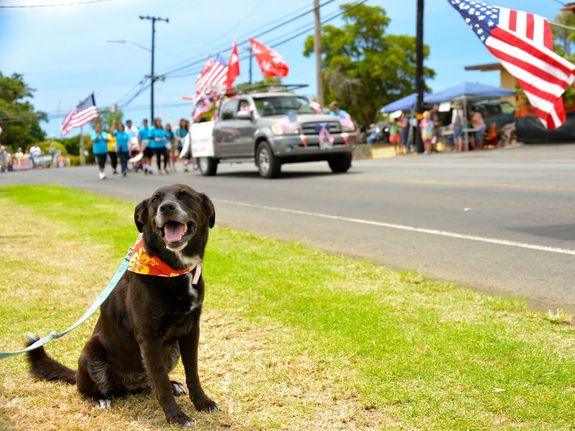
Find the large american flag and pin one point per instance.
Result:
(213, 76)
(85, 112)
(523, 43)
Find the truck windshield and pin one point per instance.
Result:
(282, 105)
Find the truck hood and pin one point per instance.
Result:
(304, 118)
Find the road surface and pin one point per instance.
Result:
(498, 221)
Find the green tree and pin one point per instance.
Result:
(564, 39)
(19, 121)
(363, 68)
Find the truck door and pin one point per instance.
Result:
(246, 127)
(226, 133)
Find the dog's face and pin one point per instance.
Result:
(176, 218)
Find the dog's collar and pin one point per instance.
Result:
(142, 263)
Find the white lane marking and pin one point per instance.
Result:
(407, 228)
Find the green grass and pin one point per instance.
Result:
(302, 339)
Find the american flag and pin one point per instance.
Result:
(213, 76)
(523, 43)
(85, 112)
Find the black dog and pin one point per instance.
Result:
(153, 315)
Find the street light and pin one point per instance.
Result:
(131, 42)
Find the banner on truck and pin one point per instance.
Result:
(202, 139)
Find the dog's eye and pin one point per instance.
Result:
(156, 198)
(183, 195)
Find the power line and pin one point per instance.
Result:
(222, 46)
(305, 29)
(52, 4)
(245, 41)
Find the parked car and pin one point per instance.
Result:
(500, 112)
(271, 129)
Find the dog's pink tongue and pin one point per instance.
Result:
(174, 231)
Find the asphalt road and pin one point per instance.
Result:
(499, 221)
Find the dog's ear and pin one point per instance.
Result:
(210, 210)
(141, 214)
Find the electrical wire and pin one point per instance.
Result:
(246, 41)
(306, 29)
(22, 6)
(223, 46)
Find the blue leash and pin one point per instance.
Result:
(105, 293)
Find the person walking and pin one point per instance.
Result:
(145, 149)
(122, 146)
(157, 142)
(426, 126)
(180, 135)
(112, 152)
(100, 140)
(170, 148)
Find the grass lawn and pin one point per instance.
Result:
(292, 338)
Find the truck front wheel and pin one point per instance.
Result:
(340, 163)
(269, 166)
(208, 166)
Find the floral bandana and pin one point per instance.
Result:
(142, 263)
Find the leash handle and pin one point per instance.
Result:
(99, 301)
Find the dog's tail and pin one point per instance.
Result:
(44, 367)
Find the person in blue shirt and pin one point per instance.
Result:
(122, 142)
(100, 148)
(170, 148)
(336, 111)
(157, 142)
(143, 137)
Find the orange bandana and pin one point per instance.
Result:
(142, 263)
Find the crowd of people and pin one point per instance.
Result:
(401, 130)
(33, 157)
(143, 147)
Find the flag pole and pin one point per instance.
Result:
(82, 158)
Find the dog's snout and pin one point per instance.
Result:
(167, 207)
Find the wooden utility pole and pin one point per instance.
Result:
(153, 77)
(419, 82)
(317, 49)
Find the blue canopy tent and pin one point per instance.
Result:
(468, 90)
(406, 103)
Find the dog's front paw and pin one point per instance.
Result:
(180, 418)
(205, 405)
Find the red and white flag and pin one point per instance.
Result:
(213, 77)
(85, 112)
(523, 43)
(233, 67)
(271, 63)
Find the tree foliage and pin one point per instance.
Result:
(19, 121)
(564, 40)
(363, 68)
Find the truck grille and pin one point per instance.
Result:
(313, 128)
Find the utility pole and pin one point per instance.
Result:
(317, 49)
(153, 77)
(419, 82)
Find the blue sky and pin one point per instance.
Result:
(63, 52)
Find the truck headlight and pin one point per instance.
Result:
(286, 129)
